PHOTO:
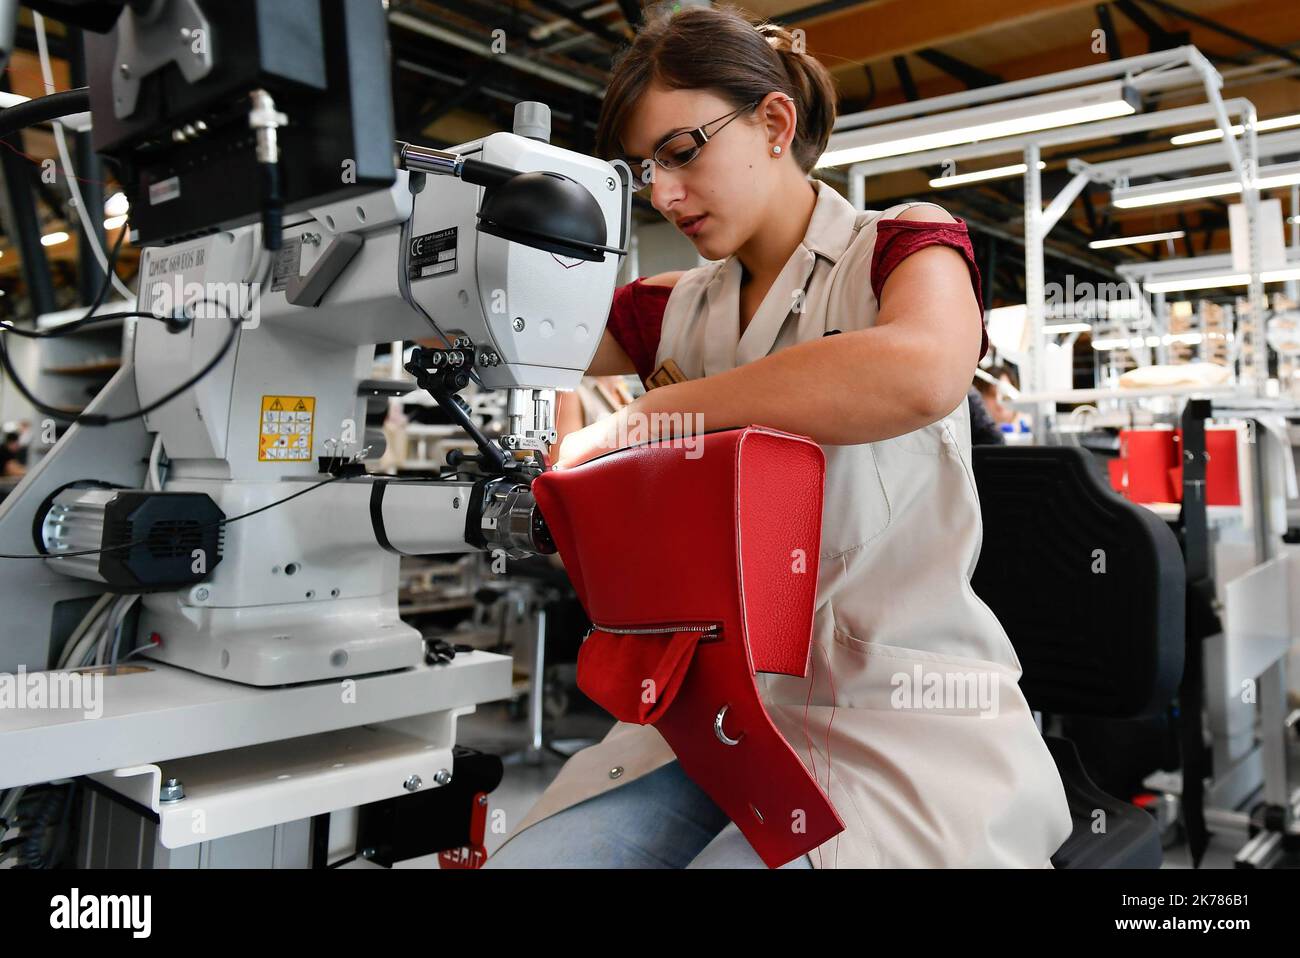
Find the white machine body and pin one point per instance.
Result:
(305, 590)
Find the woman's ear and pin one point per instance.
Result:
(780, 118)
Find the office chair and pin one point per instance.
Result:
(1090, 589)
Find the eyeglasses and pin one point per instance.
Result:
(681, 148)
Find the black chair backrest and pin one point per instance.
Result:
(1089, 586)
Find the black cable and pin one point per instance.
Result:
(110, 270)
(100, 419)
(177, 322)
(88, 318)
(272, 207)
(206, 525)
(42, 109)
(66, 329)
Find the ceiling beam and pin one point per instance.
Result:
(1261, 45)
(1158, 38)
(971, 76)
(905, 78)
(891, 28)
(1114, 49)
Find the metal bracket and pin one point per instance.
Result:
(146, 42)
(309, 290)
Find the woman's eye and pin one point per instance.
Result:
(682, 156)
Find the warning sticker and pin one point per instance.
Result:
(433, 253)
(286, 429)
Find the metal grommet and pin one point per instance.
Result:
(616, 771)
(723, 737)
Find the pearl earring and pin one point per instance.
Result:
(777, 149)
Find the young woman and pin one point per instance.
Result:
(860, 330)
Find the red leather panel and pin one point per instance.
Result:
(724, 534)
(635, 681)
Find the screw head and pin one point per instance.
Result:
(201, 594)
(442, 777)
(609, 183)
(518, 324)
(124, 69)
(413, 783)
(616, 771)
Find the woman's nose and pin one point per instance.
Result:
(665, 191)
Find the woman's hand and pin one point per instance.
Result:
(600, 437)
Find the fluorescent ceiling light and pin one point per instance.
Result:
(113, 222)
(1269, 180)
(1197, 187)
(55, 238)
(117, 205)
(1137, 342)
(1261, 126)
(1134, 240)
(1064, 108)
(1220, 280)
(997, 172)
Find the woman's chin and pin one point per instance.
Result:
(710, 249)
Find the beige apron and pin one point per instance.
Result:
(912, 719)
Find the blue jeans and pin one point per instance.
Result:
(660, 820)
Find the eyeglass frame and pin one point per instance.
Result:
(698, 135)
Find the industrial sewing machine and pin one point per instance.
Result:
(307, 590)
(267, 561)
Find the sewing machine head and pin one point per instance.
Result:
(406, 263)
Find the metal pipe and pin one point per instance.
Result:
(426, 159)
(1062, 202)
(1031, 375)
(1002, 91)
(555, 75)
(1185, 158)
(1066, 135)
(1293, 286)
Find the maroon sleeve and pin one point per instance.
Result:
(635, 319)
(898, 239)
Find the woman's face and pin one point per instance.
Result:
(718, 200)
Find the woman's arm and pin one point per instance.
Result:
(610, 360)
(908, 370)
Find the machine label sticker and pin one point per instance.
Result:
(288, 261)
(174, 278)
(286, 429)
(164, 190)
(433, 253)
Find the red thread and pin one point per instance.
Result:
(36, 162)
(830, 675)
(812, 678)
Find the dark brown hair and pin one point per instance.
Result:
(725, 50)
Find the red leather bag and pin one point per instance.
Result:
(698, 568)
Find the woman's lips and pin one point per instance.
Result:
(692, 226)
